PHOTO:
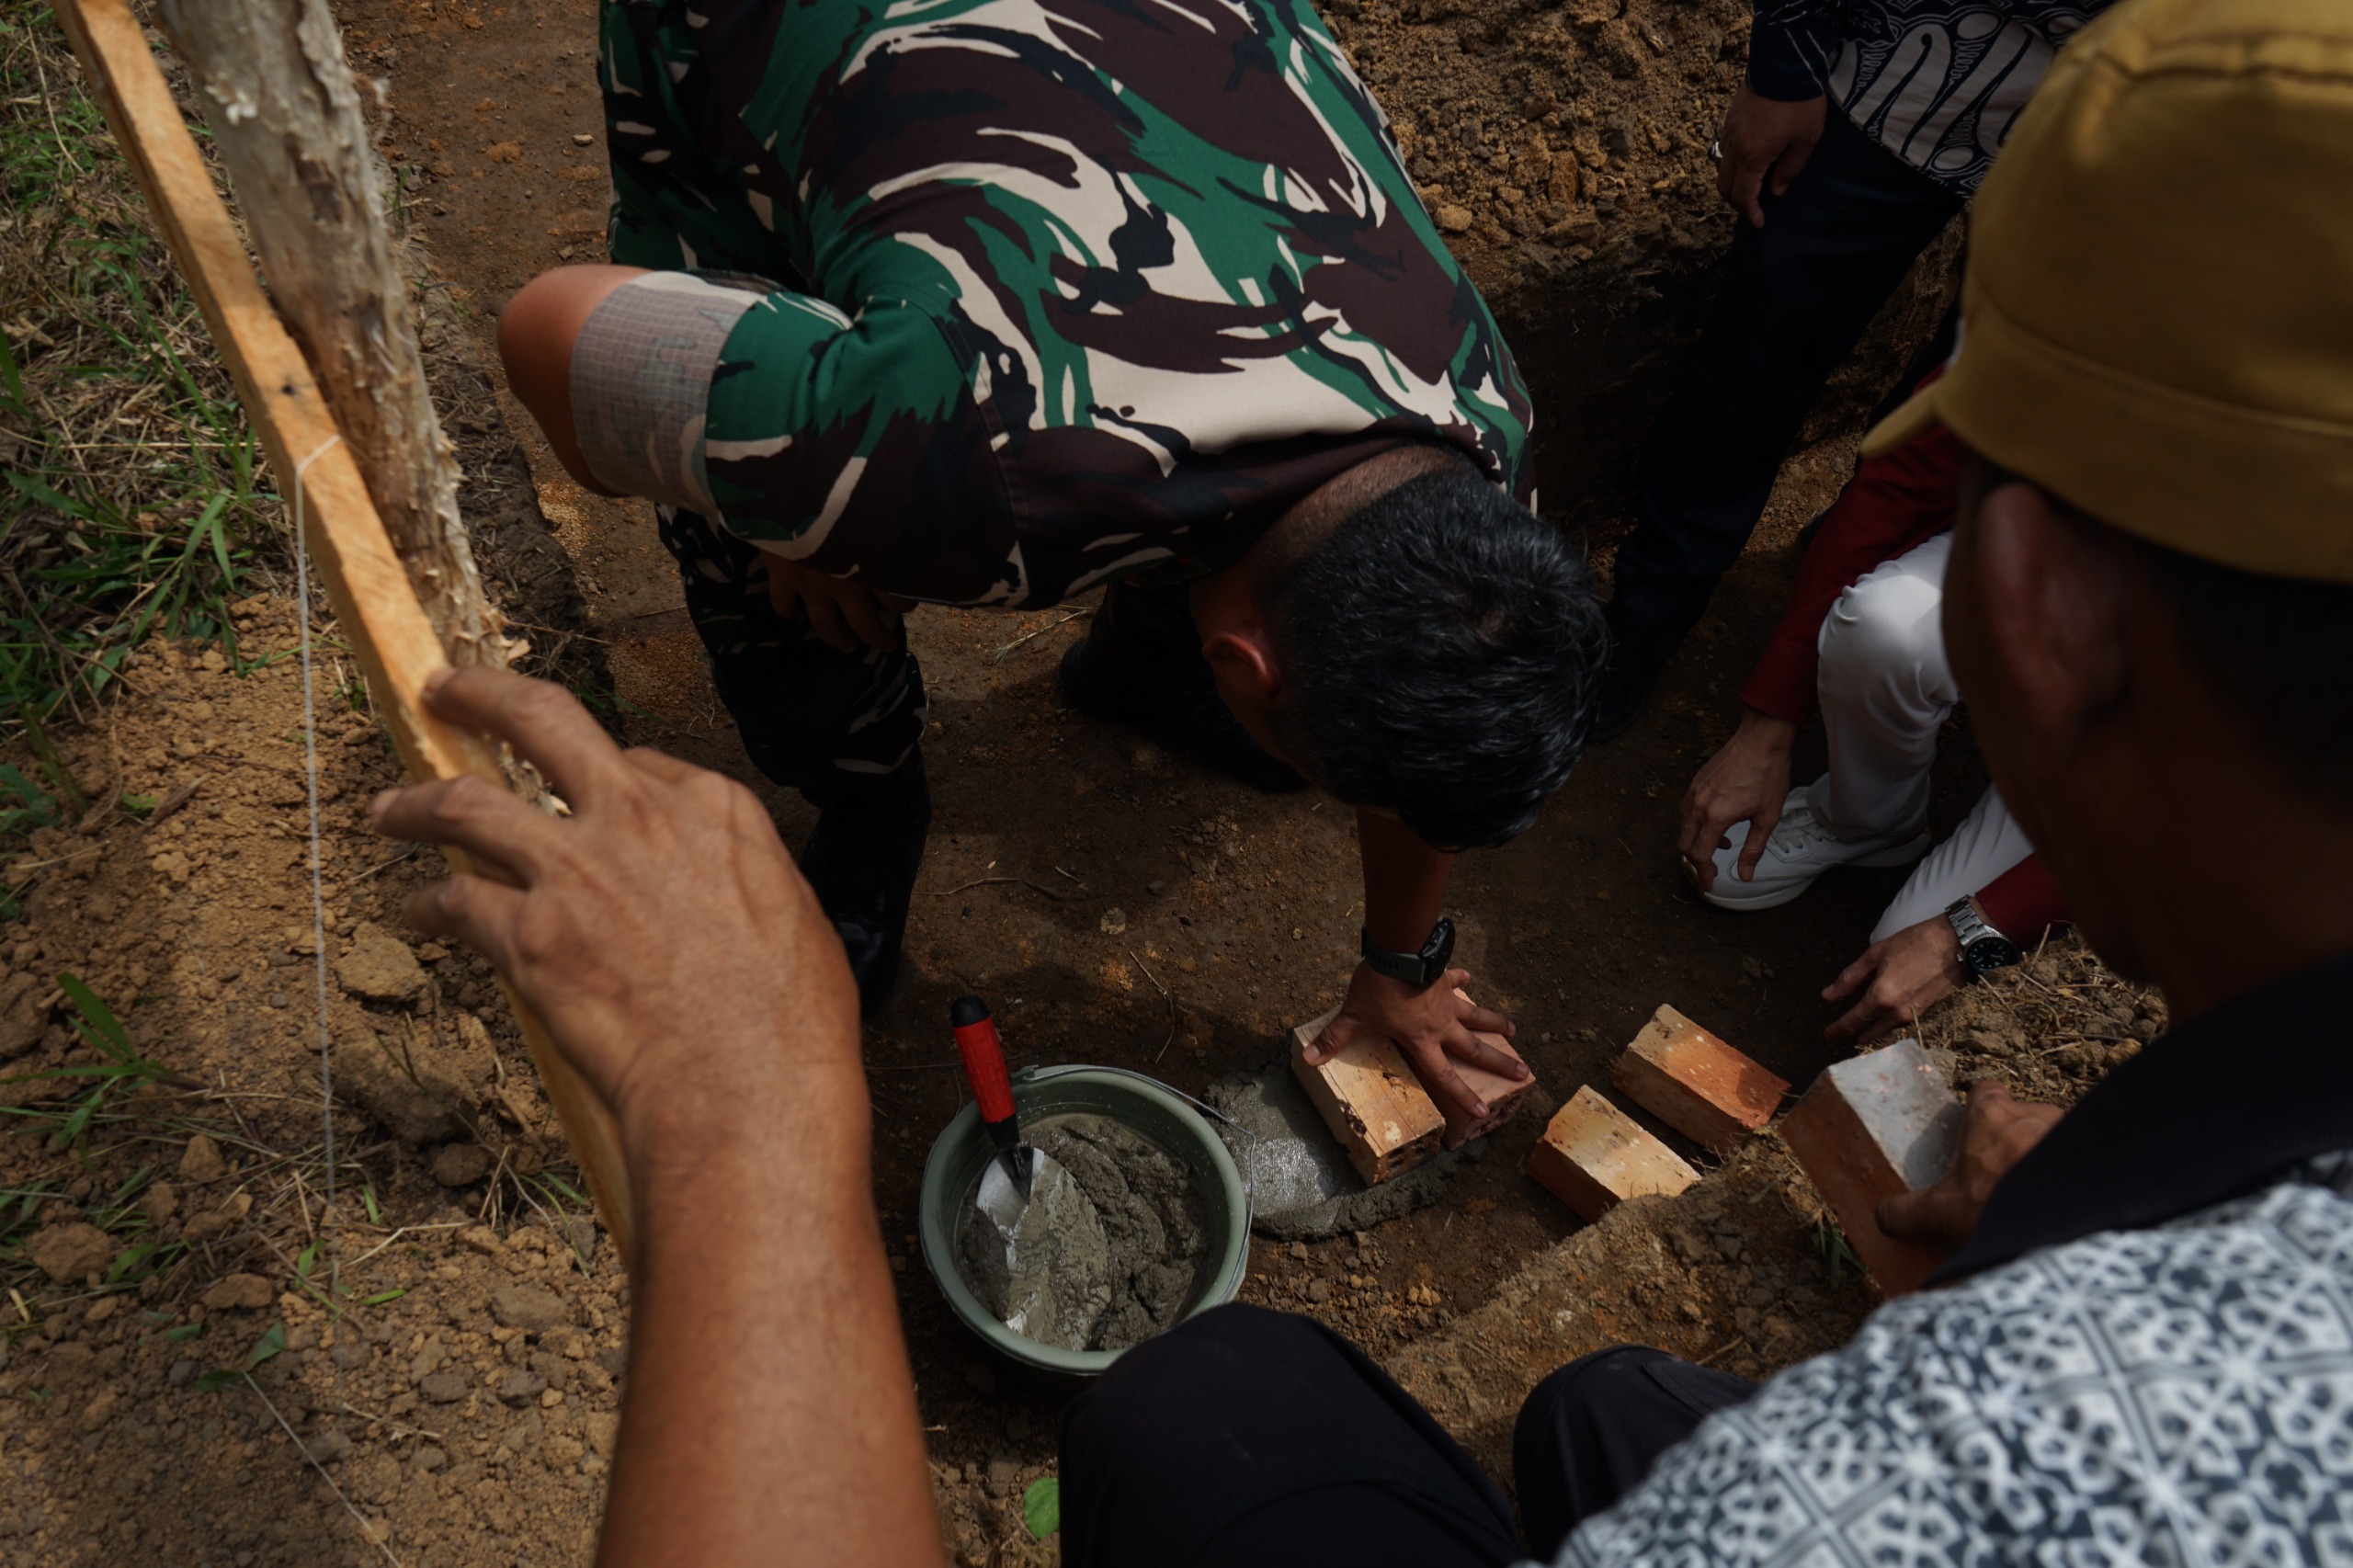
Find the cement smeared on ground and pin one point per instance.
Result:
(1109, 1251)
(1301, 1187)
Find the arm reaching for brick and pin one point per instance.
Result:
(1433, 1023)
(683, 965)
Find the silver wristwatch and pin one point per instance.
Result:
(1982, 949)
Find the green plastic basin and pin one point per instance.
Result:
(1154, 1109)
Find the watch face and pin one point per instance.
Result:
(1989, 953)
(1440, 950)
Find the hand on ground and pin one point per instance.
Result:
(842, 612)
(1997, 1135)
(1764, 139)
(660, 931)
(1897, 978)
(1748, 780)
(1433, 1026)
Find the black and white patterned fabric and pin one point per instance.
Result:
(2176, 1394)
(1937, 83)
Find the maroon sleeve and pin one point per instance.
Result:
(1894, 503)
(2023, 902)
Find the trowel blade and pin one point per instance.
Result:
(1000, 1199)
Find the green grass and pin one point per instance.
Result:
(130, 494)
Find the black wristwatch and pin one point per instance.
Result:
(1982, 949)
(1414, 969)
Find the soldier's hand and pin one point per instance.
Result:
(1434, 1025)
(843, 613)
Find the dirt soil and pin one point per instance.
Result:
(1116, 904)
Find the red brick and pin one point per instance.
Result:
(1369, 1096)
(1876, 1125)
(1697, 1084)
(1594, 1156)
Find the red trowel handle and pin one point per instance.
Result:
(984, 1057)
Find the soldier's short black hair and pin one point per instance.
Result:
(1443, 645)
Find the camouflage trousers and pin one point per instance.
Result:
(812, 717)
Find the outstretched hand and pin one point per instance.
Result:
(1897, 978)
(1995, 1135)
(1746, 780)
(1435, 1026)
(660, 929)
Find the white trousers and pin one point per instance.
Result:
(1885, 690)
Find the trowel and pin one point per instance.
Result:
(1004, 1186)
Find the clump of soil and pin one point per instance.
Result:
(1111, 1249)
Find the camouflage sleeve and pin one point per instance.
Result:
(812, 413)
(760, 408)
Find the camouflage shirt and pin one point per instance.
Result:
(1053, 290)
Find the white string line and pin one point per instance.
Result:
(318, 882)
(382, 1546)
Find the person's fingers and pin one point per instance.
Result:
(1790, 164)
(1760, 834)
(865, 618)
(1854, 974)
(784, 595)
(1464, 1046)
(1746, 181)
(826, 620)
(659, 765)
(545, 725)
(472, 815)
(1941, 1214)
(468, 909)
(1333, 1040)
(1446, 1085)
(1990, 1095)
(1477, 1018)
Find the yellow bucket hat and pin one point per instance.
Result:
(2157, 320)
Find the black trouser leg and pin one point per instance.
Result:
(1592, 1430)
(1246, 1439)
(1796, 296)
(828, 723)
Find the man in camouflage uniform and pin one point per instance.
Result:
(987, 303)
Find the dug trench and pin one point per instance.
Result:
(1116, 904)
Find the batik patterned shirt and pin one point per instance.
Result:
(1936, 83)
(1055, 291)
(2179, 1396)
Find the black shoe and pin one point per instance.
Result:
(1636, 664)
(1172, 693)
(862, 861)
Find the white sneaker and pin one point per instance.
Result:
(1801, 848)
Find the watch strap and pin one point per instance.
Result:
(1421, 968)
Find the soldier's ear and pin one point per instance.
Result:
(1245, 664)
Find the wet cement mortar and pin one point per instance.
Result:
(1109, 1252)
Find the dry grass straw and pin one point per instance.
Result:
(133, 500)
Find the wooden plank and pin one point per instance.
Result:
(1696, 1083)
(380, 617)
(1369, 1096)
(1594, 1156)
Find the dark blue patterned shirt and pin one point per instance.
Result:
(1936, 82)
